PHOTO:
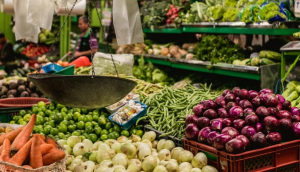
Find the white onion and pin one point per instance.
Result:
(103, 146)
(149, 163)
(69, 159)
(154, 144)
(164, 154)
(143, 150)
(172, 166)
(150, 135)
(120, 170)
(185, 166)
(120, 159)
(160, 144)
(154, 152)
(147, 142)
(68, 149)
(88, 144)
(195, 170)
(109, 170)
(135, 165)
(93, 156)
(110, 142)
(136, 144)
(160, 168)
(96, 145)
(175, 152)
(199, 161)
(84, 167)
(104, 155)
(73, 140)
(118, 166)
(100, 168)
(117, 147)
(107, 163)
(79, 157)
(122, 139)
(80, 149)
(209, 168)
(169, 144)
(129, 150)
(185, 156)
(135, 138)
(163, 162)
(62, 142)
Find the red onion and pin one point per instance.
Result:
(198, 110)
(235, 146)
(296, 129)
(210, 113)
(209, 104)
(221, 140)
(272, 101)
(202, 136)
(238, 124)
(273, 111)
(256, 102)
(248, 131)
(191, 131)
(270, 123)
(216, 119)
(222, 113)
(236, 112)
(295, 111)
(296, 118)
(262, 112)
(280, 98)
(244, 94)
(191, 119)
(203, 122)
(236, 91)
(279, 106)
(211, 137)
(253, 94)
(230, 105)
(285, 124)
(232, 132)
(248, 111)
(229, 98)
(245, 104)
(220, 101)
(237, 100)
(265, 97)
(225, 92)
(226, 122)
(258, 140)
(216, 125)
(284, 114)
(251, 120)
(258, 127)
(266, 90)
(273, 138)
(286, 105)
(244, 139)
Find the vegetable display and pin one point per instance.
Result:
(241, 120)
(291, 93)
(168, 109)
(33, 50)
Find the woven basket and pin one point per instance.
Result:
(59, 166)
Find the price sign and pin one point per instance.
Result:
(297, 8)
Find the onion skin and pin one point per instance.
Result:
(258, 140)
(239, 124)
(216, 125)
(256, 102)
(209, 104)
(236, 91)
(220, 101)
(203, 122)
(191, 131)
(279, 106)
(266, 90)
(244, 94)
(191, 119)
(235, 146)
(273, 111)
(221, 140)
(245, 104)
(295, 111)
(251, 120)
(237, 100)
(230, 105)
(296, 118)
(296, 129)
(248, 111)
(280, 98)
(236, 112)
(211, 137)
(272, 101)
(202, 136)
(253, 94)
(244, 139)
(284, 114)
(226, 122)
(198, 110)
(222, 113)
(229, 98)
(232, 132)
(274, 138)
(286, 105)
(210, 113)
(258, 127)
(262, 112)
(285, 124)
(270, 123)
(248, 131)
(225, 92)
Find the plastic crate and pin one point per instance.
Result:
(2, 67)
(6, 114)
(132, 121)
(21, 102)
(51, 68)
(66, 71)
(283, 157)
(178, 142)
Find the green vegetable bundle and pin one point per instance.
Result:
(292, 93)
(231, 15)
(168, 109)
(269, 11)
(246, 14)
(215, 13)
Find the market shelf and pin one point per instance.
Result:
(163, 30)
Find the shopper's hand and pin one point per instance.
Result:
(70, 53)
(77, 54)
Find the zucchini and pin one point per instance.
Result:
(244, 62)
(270, 55)
(20, 71)
(265, 61)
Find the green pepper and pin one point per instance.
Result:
(294, 95)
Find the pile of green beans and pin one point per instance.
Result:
(168, 109)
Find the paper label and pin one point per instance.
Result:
(297, 8)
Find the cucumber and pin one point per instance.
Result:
(20, 71)
(270, 55)
(265, 61)
(244, 62)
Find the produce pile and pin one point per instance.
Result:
(19, 88)
(264, 57)
(292, 92)
(131, 154)
(241, 120)
(33, 50)
(82, 70)
(20, 149)
(168, 109)
(22, 72)
(60, 122)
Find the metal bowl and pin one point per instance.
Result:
(83, 91)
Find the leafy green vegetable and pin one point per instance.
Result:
(255, 11)
(230, 3)
(260, 2)
(214, 2)
(246, 15)
(241, 3)
(200, 8)
(215, 12)
(269, 11)
(154, 13)
(231, 15)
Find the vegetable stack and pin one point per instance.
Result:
(240, 120)
(40, 151)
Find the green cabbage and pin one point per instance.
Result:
(246, 15)
(215, 13)
(269, 11)
(201, 9)
(231, 15)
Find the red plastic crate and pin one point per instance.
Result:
(21, 102)
(277, 158)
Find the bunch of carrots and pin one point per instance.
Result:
(30, 153)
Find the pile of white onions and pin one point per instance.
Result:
(132, 154)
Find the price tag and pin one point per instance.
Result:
(297, 8)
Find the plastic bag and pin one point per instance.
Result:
(22, 29)
(127, 22)
(103, 64)
(246, 15)
(272, 12)
(36, 16)
(63, 7)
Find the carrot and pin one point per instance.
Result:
(24, 135)
(42, 136)
(49, 140)
(36, 160)
(53, 156)
(0, 149)
(11, 135)
(5, 152)
(22, 154)
(42, 141)
(45, 148)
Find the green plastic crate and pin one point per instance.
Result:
(2, 67)
(66, 71)
(6, 114)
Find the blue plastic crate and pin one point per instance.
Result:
(50, 68)
(132, 121)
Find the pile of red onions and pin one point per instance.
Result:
(240, 119)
